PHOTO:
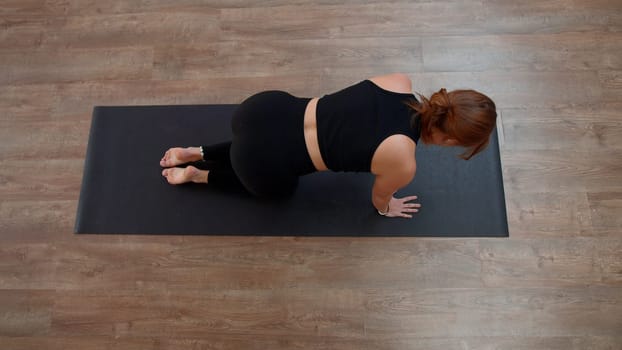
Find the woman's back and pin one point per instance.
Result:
(353, 122)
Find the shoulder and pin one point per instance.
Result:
(396, 82)
(396, 156)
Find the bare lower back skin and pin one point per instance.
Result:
(311, 140)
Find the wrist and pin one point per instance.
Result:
(384, 213)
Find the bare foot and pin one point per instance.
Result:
(176, 156)
(176, 176)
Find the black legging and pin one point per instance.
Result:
(268, 151)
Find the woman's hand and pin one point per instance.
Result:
(399, 207)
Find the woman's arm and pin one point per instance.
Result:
(386, 185)
(394, 207)
(394, 166)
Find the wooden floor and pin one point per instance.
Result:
(554, 67)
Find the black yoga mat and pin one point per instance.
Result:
(123, 191)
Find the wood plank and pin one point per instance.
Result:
(9, 7)
(133, 30)
(553, 52)
(26, 101)
(22, 179)
(257, 312)
(554, 262)
(37, 221)
(549, 214)
(284, 57)
(94, 7)
(90, 343)
(592, 127)
(605, 209)
(25, 312)
(47, 141)
(42, 66)
(357, 314)
(609, 260)
(25, 30)
(489, 312)
(336, 21)
(611, 79)
(555, 171)
(423, 18)
(257, 263)
(28, 268)
(285, 342)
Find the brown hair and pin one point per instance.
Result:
(464, 115)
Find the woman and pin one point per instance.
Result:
(372, 126)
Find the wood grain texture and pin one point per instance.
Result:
(583, 127)
(27, 67)
(273, 264)
(255, 342)
(549, 214)
(285, 57)
(546, 171)
(28, 140)
(553, 68)
(405, 18)
(606, 208)
(25, 312)
(356, 313)
(190, 26)
(545, 52)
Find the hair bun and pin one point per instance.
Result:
(441, 104)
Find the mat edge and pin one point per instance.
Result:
(78, 225)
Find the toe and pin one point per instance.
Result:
(170, 158)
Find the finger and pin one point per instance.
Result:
(407, 216)
(410, 210)
(412, 205)
(409, 198)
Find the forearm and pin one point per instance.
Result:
(385, 186)
(381, 202)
